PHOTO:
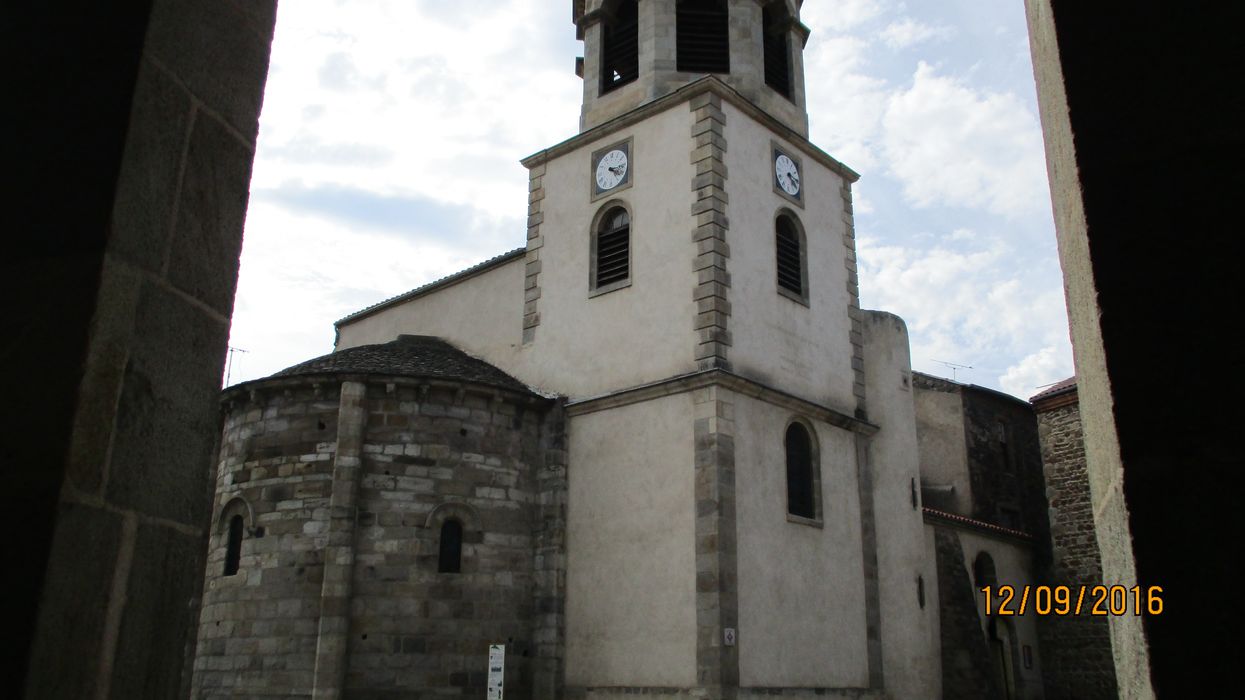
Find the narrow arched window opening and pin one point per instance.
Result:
(801, 494)
(233, 545)
(450, 558)
(983, 571)
(620, 42)
(701, 36)
(790, 256)
(776, 47)
(612, 249)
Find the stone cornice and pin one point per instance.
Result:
(708, 83)
(255, 389)
(718, 377)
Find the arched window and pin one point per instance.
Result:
(801, 472)
(620, 42)
(701, 36)
(983, 571)
(450, 559)
(791, 258)
(777, 47)
(233, 545)
(611, 250)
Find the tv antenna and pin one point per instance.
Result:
(953, 367)
(229, 365)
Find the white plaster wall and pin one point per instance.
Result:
(482, 315)
(943, 447)
(801, 588)
(631, 573)
(803, 350)
(641, 333)
(1013, 566)
(910, 655)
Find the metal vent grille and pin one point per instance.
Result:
(790, 271)
(613, 248)
(775, 46)
(701, 36)
(620, 57)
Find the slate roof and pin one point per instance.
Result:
(423, 356)
(447, 280)
(1057, 388)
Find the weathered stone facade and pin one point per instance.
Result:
(343, 481)
(965, 660)
(1078, 661)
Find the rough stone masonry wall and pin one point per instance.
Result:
(966, 663)
(1076, 650)
(1005, 463)
(257, 630)
(139, 125)
(283, 627)
(430, 454)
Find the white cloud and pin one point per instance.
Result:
(907, 32)
(949, 144)
(841, 16)
(973, 307)
(845, 102)
(1045, 366)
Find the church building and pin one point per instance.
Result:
(660, 450)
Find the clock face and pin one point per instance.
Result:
(787, 173)
(611, 169)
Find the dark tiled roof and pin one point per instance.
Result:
(1057, 388)
(408, 356)
(978, 524)
(448, 279)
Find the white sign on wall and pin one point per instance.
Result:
(496, 671)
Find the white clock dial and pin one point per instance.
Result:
(611, 169)
(788, 175)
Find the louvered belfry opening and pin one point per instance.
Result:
(790, 269)
(800, 497)
(776, 48)
(620, 45)
(613, 247)
(702, 39)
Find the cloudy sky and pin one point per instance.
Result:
(392, 130)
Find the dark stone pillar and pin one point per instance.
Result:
(136, 137)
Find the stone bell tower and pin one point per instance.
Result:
(637, 52)
(740, 506)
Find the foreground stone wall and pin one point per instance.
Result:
(138, 130)
(343, 486)
(1076, 650)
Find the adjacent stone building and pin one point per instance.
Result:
(985, 512)
(1078, 661)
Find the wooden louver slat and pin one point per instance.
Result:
(701, 37)
(775, 49)
(620, 58)
(790, 269)
(613, 250)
